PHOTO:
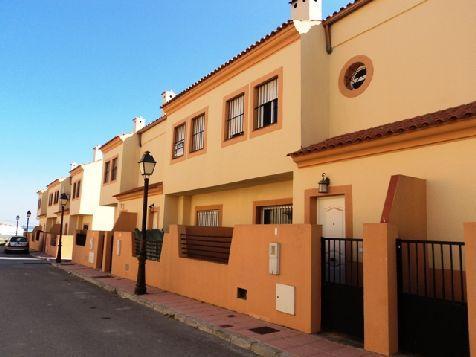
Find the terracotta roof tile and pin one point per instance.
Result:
(152, 124)
(345, 11)
(421, 122)
(234, 59)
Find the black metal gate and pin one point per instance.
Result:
(432, 308)
(342, 286)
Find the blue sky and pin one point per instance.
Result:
(74, 73)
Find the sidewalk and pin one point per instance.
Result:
(236, 328)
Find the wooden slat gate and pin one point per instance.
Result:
(432, 308)
(342, 286)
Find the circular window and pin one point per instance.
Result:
(355, 76)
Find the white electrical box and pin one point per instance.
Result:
(118, 247)
(91, 258)
(91, 244)
(274, 253)
(285, 298)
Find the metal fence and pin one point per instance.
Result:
(432, 269)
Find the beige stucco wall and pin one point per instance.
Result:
(448, 169)
(43, 196)
(255, 157)
(135, 205)
(238, 203)
(127, 169)
(86, 208)
(423, 54)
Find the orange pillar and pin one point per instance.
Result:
(470, 262)
(380, 289)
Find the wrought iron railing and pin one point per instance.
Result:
(432, 269)
(342, 261)
(153, 244)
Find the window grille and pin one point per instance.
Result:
(267, 109)
(198, 133)
(282, 214)
(210, 218)
(236, 113)
(179, 141)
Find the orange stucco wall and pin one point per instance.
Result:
(470, 241)
(90, 254)
(247, 268)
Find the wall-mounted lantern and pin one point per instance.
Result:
(324, 184)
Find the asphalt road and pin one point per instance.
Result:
(46, 312)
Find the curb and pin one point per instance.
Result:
(247, 343)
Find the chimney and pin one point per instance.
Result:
(97, 153)
(167, 95)
(139, 123)
(72, 166)
(306, 10)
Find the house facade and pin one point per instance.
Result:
(328, 146)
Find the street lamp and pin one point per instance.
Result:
(18, 218)
(147, 165)
(63, 201)
(28, 215)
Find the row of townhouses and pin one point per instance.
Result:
(320, 179)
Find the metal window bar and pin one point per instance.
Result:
(179, 141)
(282, 214)
(432, 269)
(342, 261)
(198, 133)
(266, 112)
(210, 218)
(235, 118)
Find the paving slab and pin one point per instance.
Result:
(223, 323)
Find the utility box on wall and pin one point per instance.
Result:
(274, 253)
(285, 298)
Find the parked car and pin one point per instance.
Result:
(17, 244)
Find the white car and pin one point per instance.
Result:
(17, 244)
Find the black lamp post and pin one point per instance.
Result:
(147, 165)
(64, 201)
(28, 215)
(18, 218)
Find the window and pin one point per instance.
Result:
(50, 199)
(56, 200)
(76, 189)
(208, 218)
(198, 133)
(235, 117)
(179, 141)
(280, 214)
(39, 203)
(114, 169)
(107, 169)
(355, 76)
(266, 111)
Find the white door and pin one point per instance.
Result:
(331, 215)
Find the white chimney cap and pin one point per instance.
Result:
(97, 153)
(168, 95)
(139, 123)
(302, 10)
(73, 165)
